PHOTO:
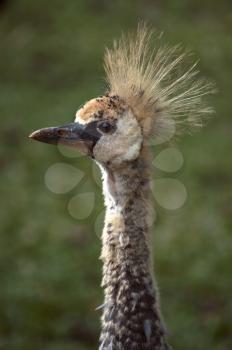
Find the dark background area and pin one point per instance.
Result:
(50, 63)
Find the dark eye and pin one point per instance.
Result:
(106, 127)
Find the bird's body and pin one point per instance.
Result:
(148, 94)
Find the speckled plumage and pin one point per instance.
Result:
(131, 318)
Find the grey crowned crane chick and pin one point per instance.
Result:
(149, 92)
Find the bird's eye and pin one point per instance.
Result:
(106, 127)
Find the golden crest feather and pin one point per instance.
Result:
(156, 84)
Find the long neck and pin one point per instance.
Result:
(131, 317)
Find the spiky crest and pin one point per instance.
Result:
(155, 82)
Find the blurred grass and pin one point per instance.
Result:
(50, 63)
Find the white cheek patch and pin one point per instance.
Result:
(130, 138)
(132, 152)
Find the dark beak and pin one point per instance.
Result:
(83, 137)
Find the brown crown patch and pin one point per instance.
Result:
(107, 107)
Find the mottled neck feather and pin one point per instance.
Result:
(131, 318)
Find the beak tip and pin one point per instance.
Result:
(46, 135)
(33, 135)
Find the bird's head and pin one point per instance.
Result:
(150, 91)
(105, 128)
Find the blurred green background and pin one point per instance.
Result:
(50, 63)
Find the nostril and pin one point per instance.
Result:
(62, 132)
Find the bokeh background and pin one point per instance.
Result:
(50, 63)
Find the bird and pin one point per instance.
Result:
(151, 89)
